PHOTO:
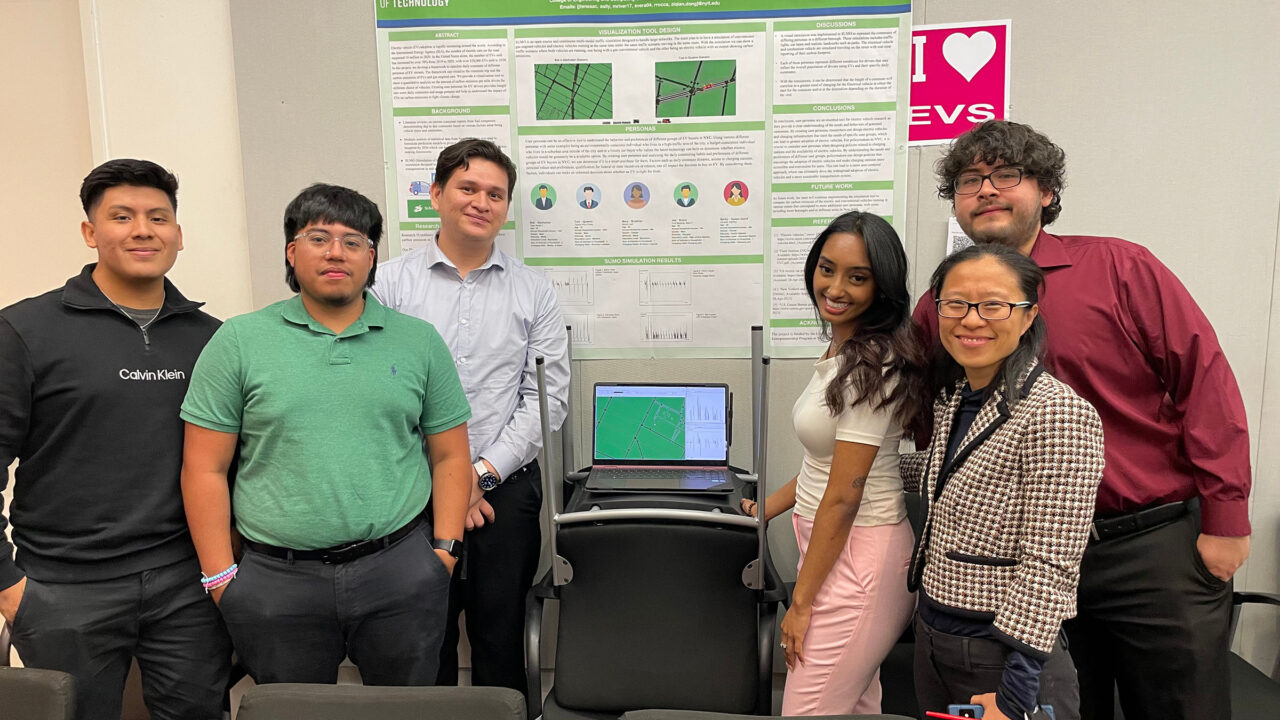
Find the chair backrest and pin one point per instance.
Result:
(31, 694)
(687, 715)
(688, 639)
(288, 701)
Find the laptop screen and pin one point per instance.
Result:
(661, 424)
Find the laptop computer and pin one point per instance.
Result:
(661, 436)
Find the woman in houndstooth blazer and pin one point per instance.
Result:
(1007, 490)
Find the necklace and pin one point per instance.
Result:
(131, 316)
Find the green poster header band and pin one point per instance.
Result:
(635, 129)
(811, 221)
(399, 13)
(836, 186)
(648, 260)
(433, 225)
(445, 111)
(447, 35)
(842, 24)
(640, 30)
(793, 322)
(834, 108)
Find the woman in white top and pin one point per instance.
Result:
(851, 601)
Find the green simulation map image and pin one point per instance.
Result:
(573, 92)
(696, 88)
(636, 428)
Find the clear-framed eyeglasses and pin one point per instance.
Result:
(957, 309)
(322, 240)
(1002, 178)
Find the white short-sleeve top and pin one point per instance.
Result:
(818, 431)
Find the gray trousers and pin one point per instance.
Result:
(295, 621)
(94, 630)
(951, 669)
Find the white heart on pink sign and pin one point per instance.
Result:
(968, 54)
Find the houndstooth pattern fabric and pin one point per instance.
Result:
(1005, 538)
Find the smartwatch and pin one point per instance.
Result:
(453, 547)
(488, 480)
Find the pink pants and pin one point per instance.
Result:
(858, 615)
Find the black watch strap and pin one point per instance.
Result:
(453, 547)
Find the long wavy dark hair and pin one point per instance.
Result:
(945, 372)
(883, 347)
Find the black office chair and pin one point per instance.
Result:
(288, 701)
(31, 694)
(656, 613)
(1253, 693)
(694, 715)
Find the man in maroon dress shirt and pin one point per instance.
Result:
(1172, 522)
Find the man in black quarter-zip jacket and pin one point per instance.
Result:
(91, 378)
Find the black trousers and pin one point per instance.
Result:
(491, 582)
(295, 621)
(93, 630)
(1152, 622)
(951, 669)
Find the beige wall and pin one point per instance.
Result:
(45, 130)
(89, 80)
(162, 87)
(45, 99)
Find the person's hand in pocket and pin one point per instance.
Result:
(11, 598)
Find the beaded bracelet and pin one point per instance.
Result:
(220, 579)
(214, 584)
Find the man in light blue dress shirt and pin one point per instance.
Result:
(496, 315)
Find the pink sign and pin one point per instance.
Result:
(959, 77)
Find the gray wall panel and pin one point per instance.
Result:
(1168, 113)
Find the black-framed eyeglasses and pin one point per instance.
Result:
(957, 309)
(1002, 178)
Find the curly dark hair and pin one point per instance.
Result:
(1003, 142)
(883, 363)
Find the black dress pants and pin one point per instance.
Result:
(93, 630)
(951, 669)
(295, 621)
(491, 582)
(1152, 622)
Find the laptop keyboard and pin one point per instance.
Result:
(660, 474)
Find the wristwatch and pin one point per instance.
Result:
(488, 480)
(453, 547)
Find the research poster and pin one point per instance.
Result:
(675, 159)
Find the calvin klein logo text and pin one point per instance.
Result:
(127, 374)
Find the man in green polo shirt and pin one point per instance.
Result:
(329, 397)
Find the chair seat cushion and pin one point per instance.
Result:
(32, 694)
(1253, 694)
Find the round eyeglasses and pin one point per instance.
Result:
(957, 309)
